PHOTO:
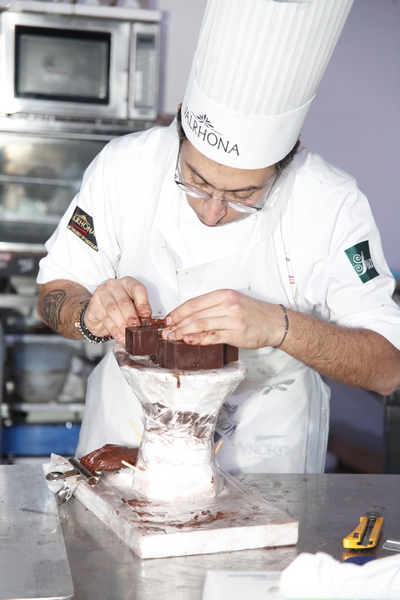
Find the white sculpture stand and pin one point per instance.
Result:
(176, 455)
(180, 502)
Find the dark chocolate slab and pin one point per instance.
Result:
(231, 353)
(146, 340)
(141, 341)
(153, 322)
(173, 354)
(211, 357)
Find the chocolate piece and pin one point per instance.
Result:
(152, 322)
(141, 341)
(146, 340)
(173, 354)
(108, 458)
(231, 353)
(211, 357)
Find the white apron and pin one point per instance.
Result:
(277, 419)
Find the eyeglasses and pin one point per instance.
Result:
(239, 205)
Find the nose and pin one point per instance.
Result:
(213, 210)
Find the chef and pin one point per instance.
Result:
(226, 225)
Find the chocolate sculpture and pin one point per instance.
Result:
(146, 340)
(180, 411)
(174, 499)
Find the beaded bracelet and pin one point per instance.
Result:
(84, 331)
(286, 327)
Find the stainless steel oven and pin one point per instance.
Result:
(79, 61)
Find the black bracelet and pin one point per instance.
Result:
(286, 327)
(88, 335)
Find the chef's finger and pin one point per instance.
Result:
(138, 292)
(103, 316)
(123, 299)
(193, 309)
(100, 325)
(205, 331)
(125, 293)
(206, 338)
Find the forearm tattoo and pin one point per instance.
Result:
(51, 307)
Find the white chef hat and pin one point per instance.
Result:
(256, 70)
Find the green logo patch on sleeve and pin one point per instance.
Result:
(361, 261)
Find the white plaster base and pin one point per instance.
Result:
(180, 411)
(237, 519)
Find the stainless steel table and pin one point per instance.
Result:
(328, 508)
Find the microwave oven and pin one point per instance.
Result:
(76, 61)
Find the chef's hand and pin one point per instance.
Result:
(116, 304)
(226, 316)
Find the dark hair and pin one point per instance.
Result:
(179, 127)
(286, 160)
(279, 166)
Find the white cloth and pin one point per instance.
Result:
(292, 253)
(236, 585)
(321, 576)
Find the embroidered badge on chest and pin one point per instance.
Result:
(360, 258)
(82, 225)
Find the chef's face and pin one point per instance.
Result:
(243, 186)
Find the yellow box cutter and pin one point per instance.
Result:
(367, 533)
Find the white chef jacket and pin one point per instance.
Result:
(314, 247)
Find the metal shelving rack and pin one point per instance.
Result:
(36, 428)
